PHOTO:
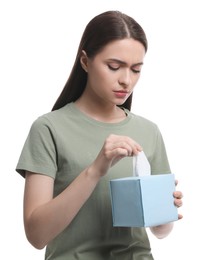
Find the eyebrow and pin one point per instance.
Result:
(124, 63)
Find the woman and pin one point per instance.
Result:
(89, 138)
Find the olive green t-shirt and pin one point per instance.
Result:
(63, 143)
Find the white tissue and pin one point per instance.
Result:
(141, 166)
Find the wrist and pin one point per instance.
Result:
(93, 174)
(162, 230)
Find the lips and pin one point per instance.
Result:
(120, 93)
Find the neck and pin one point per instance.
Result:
(100, 111)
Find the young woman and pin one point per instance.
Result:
(89, 138)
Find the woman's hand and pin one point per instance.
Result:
(114, 149)
(178, 195)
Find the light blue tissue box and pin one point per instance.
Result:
(143, 201)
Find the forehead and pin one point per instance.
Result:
(128, 50)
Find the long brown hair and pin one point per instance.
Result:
(102, 29)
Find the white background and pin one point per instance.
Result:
(38, 43)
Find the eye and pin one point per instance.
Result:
(136, 69)
(113, 67)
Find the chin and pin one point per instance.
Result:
(120, 103)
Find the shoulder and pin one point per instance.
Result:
(142, 122)
(52, 118)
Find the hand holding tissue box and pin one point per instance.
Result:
(143, 200)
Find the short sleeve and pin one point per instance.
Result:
(39, 151)
(159, 161)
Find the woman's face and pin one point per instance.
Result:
(114, 72)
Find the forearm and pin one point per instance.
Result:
(162, 231)
(51, 218)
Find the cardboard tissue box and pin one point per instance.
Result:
(143, 201)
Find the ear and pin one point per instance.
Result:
(84, 61)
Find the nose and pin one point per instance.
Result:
(125, 78)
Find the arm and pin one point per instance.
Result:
(44, 216)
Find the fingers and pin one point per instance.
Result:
(178, 198)
(114, 149)
(180, 216)
(178, 195)
(121, 146)
(178, 203)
